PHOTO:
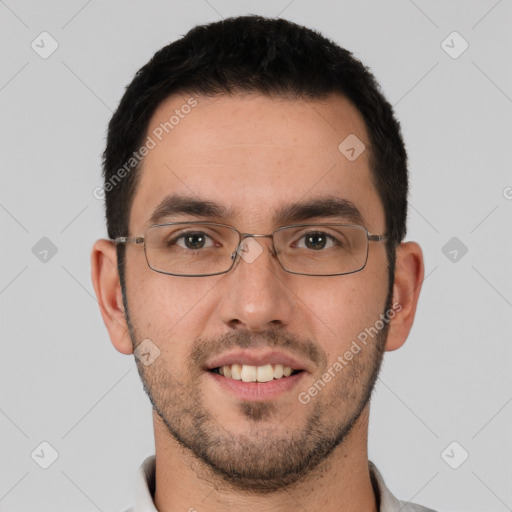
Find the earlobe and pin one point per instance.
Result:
(105, 279)
(409, 272)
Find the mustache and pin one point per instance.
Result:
(204, 348)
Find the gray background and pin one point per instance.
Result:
(62, 382)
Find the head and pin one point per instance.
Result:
(242, 122)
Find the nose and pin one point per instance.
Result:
(256, 295)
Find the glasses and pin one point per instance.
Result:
(197, 249)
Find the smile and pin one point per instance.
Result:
(249, 373)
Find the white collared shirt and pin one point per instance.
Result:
(145, 488)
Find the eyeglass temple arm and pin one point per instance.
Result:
(129, 240)
(377, 238)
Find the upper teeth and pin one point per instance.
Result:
(248, 373)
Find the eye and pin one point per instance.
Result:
(192, 240)
(316, 240)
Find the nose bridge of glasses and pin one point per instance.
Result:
(243, 244)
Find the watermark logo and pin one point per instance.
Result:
(44, 455)
(454, 455)
(454, 249)
(44, 250)
(249, 250)
(352, 147)
(44, 45)
(454, 45)
(146, 352)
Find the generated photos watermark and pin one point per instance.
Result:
(151, 142)
(356, 346)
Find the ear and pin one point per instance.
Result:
(409, 272)
(105, 279)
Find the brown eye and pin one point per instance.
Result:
(316, 241)
(192, 240)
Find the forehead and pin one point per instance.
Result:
(254, 155)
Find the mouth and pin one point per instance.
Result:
(256, 375)
(249, 373)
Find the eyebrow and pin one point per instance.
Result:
(330, 207)
(325, 207)
(186, 205)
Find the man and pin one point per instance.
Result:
(256, 199)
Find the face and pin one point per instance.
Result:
(254, 157)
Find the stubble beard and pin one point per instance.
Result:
(269, 456)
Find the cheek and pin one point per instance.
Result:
(166, 307)
(343, 308)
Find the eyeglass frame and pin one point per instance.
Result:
(242, 236)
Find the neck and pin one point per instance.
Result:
(341, 483)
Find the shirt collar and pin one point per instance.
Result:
(145, 486)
